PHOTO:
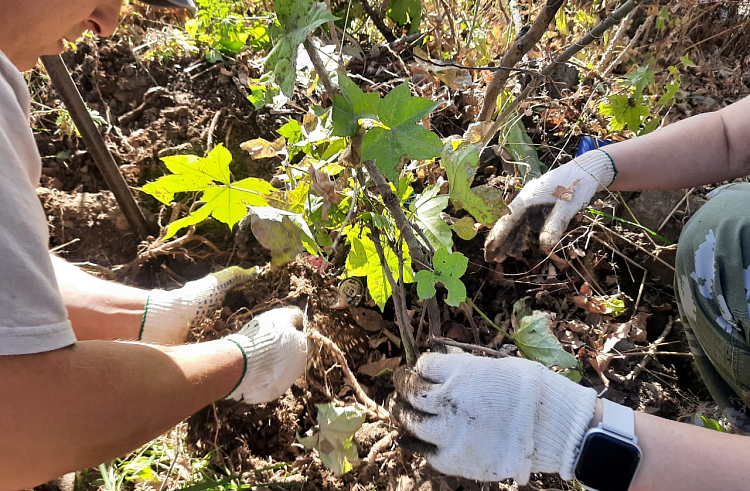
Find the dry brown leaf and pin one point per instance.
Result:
(639, 327)
(620, 333)
(322, 184)
(264, 149)
(375, 368)
(369, 320)
(565, 194)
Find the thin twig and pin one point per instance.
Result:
(615, 40)
(638, 33)
(376, 410)
(378, 21)
(470, 347)
(651, 351)
(212, 129)
(639, 247)
(381, 445)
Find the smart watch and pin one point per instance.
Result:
(609, 456)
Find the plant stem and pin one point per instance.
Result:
(399, 303)
(487, 319)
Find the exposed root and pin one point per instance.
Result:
(374, 410)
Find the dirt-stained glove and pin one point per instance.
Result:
(275, 355)
(169, 315)
(492, 419)
(570, 187)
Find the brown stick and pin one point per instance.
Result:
(320, 68)
(523, 43)
(378, 21)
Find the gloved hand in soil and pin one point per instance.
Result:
(275, 354)
(492, 419)
(170, 314)
(569, 188)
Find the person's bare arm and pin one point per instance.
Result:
(678, 456)
(703, 149)
(99, 309)
(76, 407)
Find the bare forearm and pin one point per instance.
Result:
(704, 149)
(678, 456)
(77, 407)
(99, 309)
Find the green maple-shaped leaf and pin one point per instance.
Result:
(226, 201)
(640, 79)
(625, 111)
(448, 268)
(535, 339)
(402, 136)
(297, 20)
(426, 209)
(483, 202)
(351, 106)
(363, 260)
(333, 440)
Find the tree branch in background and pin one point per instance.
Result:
(378, 21)
(595, 33)
(523, 43)
(320, 68)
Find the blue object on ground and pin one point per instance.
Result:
(587, 143)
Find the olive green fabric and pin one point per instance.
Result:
(712, 282)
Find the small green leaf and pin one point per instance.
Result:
(283, 233)
(685, 60)
(640, 79)
(426, 209)
(363, 260)
(334, 438)
(448, 268)
(400, 112)
(712, 424)
(625, 111)
(534, 337)
(465, 228)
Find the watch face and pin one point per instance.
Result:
(606, 462)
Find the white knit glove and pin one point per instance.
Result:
(492, 419)
(275, 355)
(570, 187)
(169, 315)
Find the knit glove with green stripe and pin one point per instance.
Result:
(275, 354)
(170, 314)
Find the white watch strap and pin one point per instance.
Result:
(618, 419)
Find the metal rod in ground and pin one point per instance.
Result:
(70, 96)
